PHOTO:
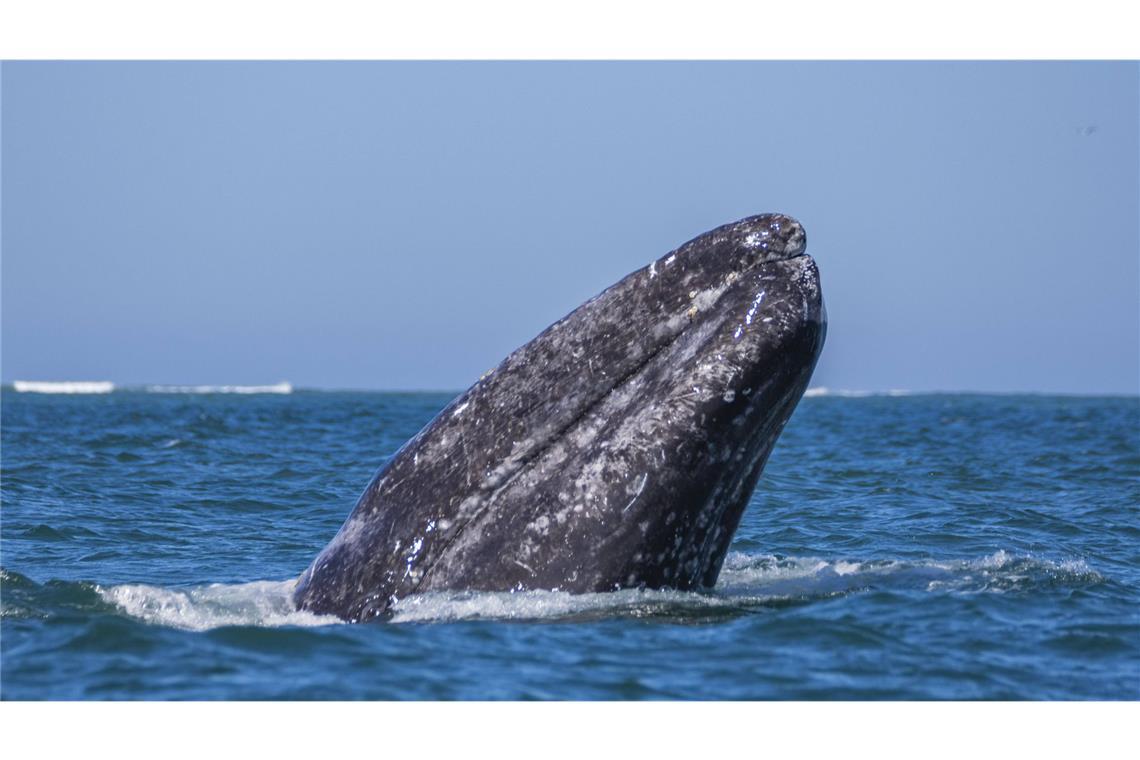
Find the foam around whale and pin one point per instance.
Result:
(747, 582)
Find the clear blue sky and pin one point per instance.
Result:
(406, 225)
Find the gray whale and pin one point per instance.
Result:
(617, 449)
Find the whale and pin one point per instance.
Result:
(617, 449)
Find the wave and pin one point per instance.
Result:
(283, 388)
(746, 582)
(106, 386)
(67, 386)
(842, 393)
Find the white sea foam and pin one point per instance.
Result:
(745, 581)
(260, 603)
(67, 386)
(845, 393)
(283, 387)
(754, 581)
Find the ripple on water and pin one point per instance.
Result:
(897, 547)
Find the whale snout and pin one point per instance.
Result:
(771, 237)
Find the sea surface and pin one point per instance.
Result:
(897, 547)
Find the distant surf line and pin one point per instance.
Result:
(67, 386)
(823, 391)
(282, 388)
(106, 386)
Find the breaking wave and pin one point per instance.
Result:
(839, 392)
(106, 386)
(283, 388)
(66, 386)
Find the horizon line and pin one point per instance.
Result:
(286, 388)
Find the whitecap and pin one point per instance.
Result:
(281, 388)
(66, 386)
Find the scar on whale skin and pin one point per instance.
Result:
(616, 449)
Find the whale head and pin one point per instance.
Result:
(616, 449)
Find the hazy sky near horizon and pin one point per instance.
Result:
(406, 225)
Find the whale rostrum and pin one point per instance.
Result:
(618, 448)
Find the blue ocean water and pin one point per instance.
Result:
(898, 547)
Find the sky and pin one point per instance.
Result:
(406, 225)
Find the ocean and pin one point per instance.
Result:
(898, 547)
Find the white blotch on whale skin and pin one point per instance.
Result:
(417, 545)
(640, 488)
(755, 305)
(706, 298)
(753, 239)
